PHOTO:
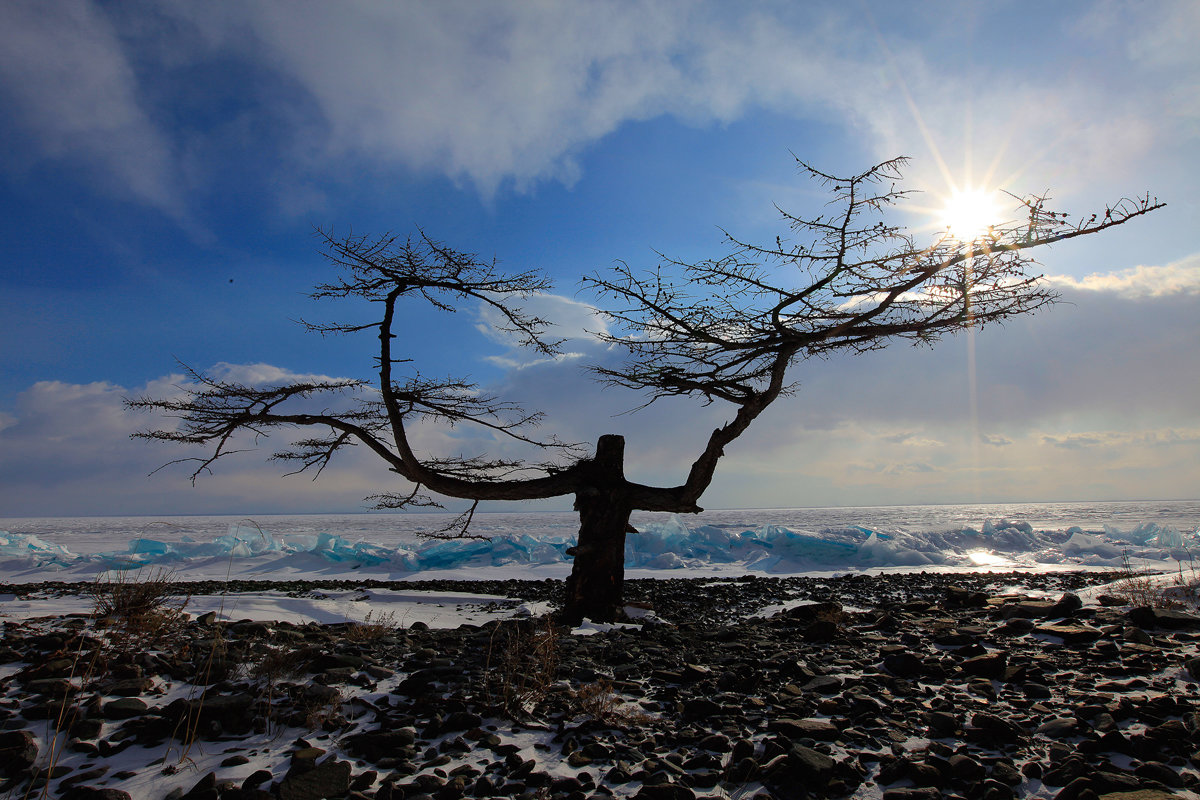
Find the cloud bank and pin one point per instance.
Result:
(1092, 399)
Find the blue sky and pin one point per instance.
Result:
(165, 164)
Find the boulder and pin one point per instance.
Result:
(18, 752)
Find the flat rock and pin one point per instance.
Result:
(818, 729)
(1070, 634)
(1146, 617)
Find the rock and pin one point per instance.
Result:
(1147, 617)
(818, 729)
(824, 684)
(256, 779)
(1070, 634)
(124, 708)
(1067, 605)
(966, 769)
(990, 727)
(802, 765)
(460, 721)
(715, 742)
(128, 687)
(942, 724)
(1160, 773)
(330, 778)
(665, 791)
(701, 708)
(960, 597)
(94, 793)
(990, 666)
(910, 793)
(378, 744)
(744, 770)
(203, 789)
(1059, 728)
(904, 665)
(1028, 609)
(18, 752)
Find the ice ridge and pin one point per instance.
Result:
(664, 545)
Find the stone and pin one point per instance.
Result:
(124, 708)
(665, 791)
(1070, 634)
(18, 752)
(818, 729)
(1059, 728)
(128, 687)
(904, 665)
(256, 779)
(330, 778)
(912, 793)
(994, 728)
(966, 769)
(203, 789)
(460, 721)
(805, 765)
(990, 666)
(1146, 617)
(942, 724)
(94, 793)
(824, 684)
(1067, 605)
(1027, 609)
(375, 745)
(1161, 773)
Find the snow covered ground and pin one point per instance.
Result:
(666, 549)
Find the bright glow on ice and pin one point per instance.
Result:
(986, 558)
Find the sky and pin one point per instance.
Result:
(165, 165)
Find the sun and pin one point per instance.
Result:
(969, 212)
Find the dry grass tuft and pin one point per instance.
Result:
(599, 701)
(372, 630)
(1143, 588)
(522, 663)
(144, 606)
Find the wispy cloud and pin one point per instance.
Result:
(70, 83)
(573, 323)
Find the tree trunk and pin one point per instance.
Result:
(595, 589)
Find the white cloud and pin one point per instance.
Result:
(513, 92)
(1179, 278)
(574, 323)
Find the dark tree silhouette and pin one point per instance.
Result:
(727, 330)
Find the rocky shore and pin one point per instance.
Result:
(899, 686)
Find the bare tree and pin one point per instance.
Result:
(727, 330)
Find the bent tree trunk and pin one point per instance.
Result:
(595, 587)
